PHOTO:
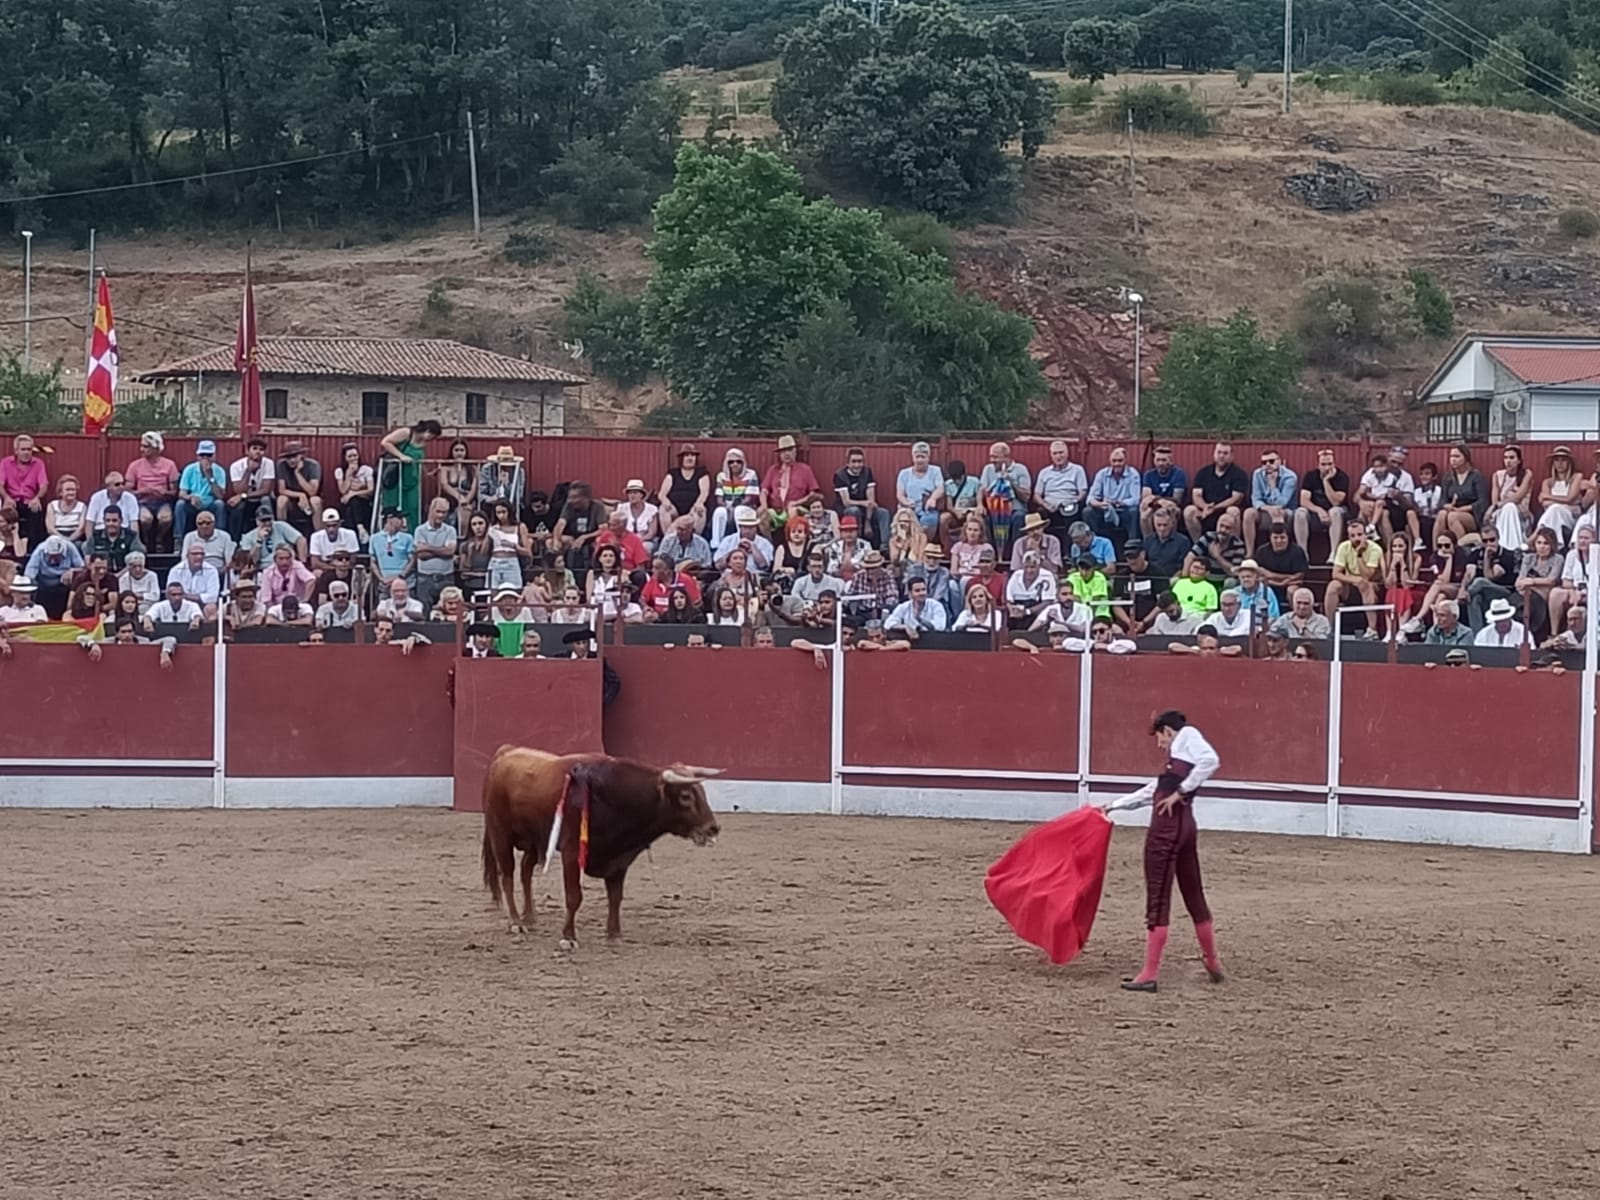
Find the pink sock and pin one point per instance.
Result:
(1154, 943)
(1207, 934)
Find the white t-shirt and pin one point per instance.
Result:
(411, 612)
(524, 616)
(1490, 636)
(1075, 616)
(147, 588)
(1575, 572)
(363, 475)
(1380, 486)
(323, 546)
(1238, 627)
(643, 523)
(239, 472)
(162, 612)
(967, 620)
(1020, 591)
(16, 614)
(127, 503)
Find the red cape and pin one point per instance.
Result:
(1048, 885)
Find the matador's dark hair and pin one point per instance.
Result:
(1171, 719)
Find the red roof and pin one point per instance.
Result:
(1550, 366)
(371, 358)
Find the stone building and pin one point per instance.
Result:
(371, 385)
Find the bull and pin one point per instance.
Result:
(612, 810)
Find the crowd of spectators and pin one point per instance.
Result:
(1218, 558)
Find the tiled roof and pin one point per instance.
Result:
(1550, 366)
(370, 358)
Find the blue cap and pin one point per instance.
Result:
(206, 447)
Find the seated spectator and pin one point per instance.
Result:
(202, 487)
(857, 493)
(215, 543)
(1207, 645)
(1274, 495)
(1447, 565)
(906, 541)
(961, 502)
(1357, 572)
(1103, 638)
(1509, 510)
(115, 495)
(532, 644)
(1282, 564)
(572, 611)
(685, 492)
(1165, 488)
(1068, 611)
(737, 486)
(789, 486)
(1112, 506)
(252, 481)
(815, 581)
(299, 481)
(340, 612)
(1491, 574)
(1325, 501)
(1195, 592)
(452, 606)
(343, 571)
(268, 535)
(1030, 590)
(540, 522)
(824, 524)
(746, 537)
(1004, 491)
(581, 523)
(12, 546)
(1540, 576)
(1575, 629)
(1255, 597)
(1135, 587)
(1047, 546)
(789, 559)
(174, 609)
(140, 581)
(1306, 652)
(383, 635)
(628, 608)
(920, 488)
(1428, 499)
(872, 592)
(917, 612)
(1447, 629)
(875, 637)
(95, 592)
(738, 578)
(681, 609)
(22, 610)
(931, 570)
(1303, 620)
(1221, 550)
(727, 608)
(483, 640)
(634, 553)
(1169, 619)
(1057, 633)
(200, 580)
(244, 610)
(401, 607)
(821, 615)
(846, 555)
(1503, 628)
(67, 515)
(1277, 645)
(981, 614)
(1082, 540)
(51, 567)
(657, 591)
(1574, 588)
(127, 605)
(1386, 496)
(683, 544)
(286, 576)
(114, 541)
(153, 479)
(965, 553)
(1058, 494)
(544, 591)
(509, 610)
(1561, 495)
(1090, 585)
(1166, 548)
(1218, 488)
(1232, 619)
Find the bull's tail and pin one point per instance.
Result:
(491, 870)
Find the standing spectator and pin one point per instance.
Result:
(400, 469)
(1082, 540)
(1324, 504)
(789, 486)
(1491, 574)
(458, 484)
(872, 591)
(961, 500)
(1255, 597)
(1561, 495)
(244, 611)
(252, 480)
(214, 542)
(635, 555)
(1574, 589)
(1540, 576)
(1303, 621)
(202, 487)
(1222, 550)
(918, 612)
(1357, 570)
(115, 541)
(1165, 486)
(582, 521)
(1060, 490)
(1283, 563)
(1447, 629)
(400, 606)
(1218, 488)
(473, 553)
(434, 548)
(50, 567)
(849, 553)
(1195, 592)
(268, 535)
(684, 544)
(1466, 494)
(115, 495)
(357, 486)
(1112, 507)
(1503, 628)
(508, 548)
(299, 480)
(965, 553)
(920, 487)
(981, 614)
(641, 518)
(138, 580)
(24, 482)
(501, 478)
(338, 612)
(1274, 494)
(334, 536)
(1508, 500)
(738, 486)
(931, 570)
(154, 480)
(287, 576)
(392, 549)
(201, 582)
(1004, 490)
(686, 491)
(1030, 590)
(174, 609)
(67, 516)
(857, 491)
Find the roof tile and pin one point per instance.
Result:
(1550, 366)
(371, 358)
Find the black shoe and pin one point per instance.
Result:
(1133, 985)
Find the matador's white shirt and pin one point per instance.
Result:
(1189, 746)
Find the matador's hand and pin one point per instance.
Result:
(1167, 803)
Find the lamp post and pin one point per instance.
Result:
(27, 299)
(1137, 301)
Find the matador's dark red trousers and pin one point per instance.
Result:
(1170, 851)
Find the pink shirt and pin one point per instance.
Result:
(276, 584)
(22, 483)
(802, 482)
(152, 480)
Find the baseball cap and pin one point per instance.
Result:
(331, 514)
(206, 447)
(338, 588)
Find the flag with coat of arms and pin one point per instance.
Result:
(100, 384)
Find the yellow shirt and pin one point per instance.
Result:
(1371, 559)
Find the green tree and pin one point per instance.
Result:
(31, 400)
(1096, 47)
(611, 327)
(1431, 306)
(1224, 378)
(1197, 37)
(920, 111)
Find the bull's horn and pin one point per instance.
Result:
(673, 775)
(686, 774)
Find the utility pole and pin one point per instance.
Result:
(1133, 178)
(88, 329)
(472, 159)
(1288, 56)
(27, 299)
(877, 12)
(1137, 301)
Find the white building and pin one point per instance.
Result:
(1503, 387)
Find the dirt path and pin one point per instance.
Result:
(223, 1005)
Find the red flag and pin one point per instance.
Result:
(1048, 885)
(245, 360)
(100, 377)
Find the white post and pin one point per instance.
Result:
(1085, 726)
(1288, 56)
(1586, 718)
(836, 716)
(27, 299)
(472, 161)
(1335, 718)
(219, 712)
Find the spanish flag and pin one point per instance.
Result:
(58, 631)
(100, 384)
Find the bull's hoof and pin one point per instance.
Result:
(516, 927)
(567, 944)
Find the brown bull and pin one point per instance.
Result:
(630, 805)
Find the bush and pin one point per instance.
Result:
(1578, 223)
(1335, 317)
(1431, 306)
(1079, 96)
(528, 247)
(1227, 378)
(1158, 109)
(1244, 73)
(1415, 91)
(921, 233)
(436, 304)
(611, 329)
(594, 187)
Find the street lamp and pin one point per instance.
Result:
(1135, 299)
(27, 299)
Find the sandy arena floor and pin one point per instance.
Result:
(231, 1005)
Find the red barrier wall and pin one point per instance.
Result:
(549, 705)
(1269, 721)
(58, 704)
(332, 711)
(1410, 729)
(962, 710)
(757, 714)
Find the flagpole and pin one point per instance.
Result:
(88, 333)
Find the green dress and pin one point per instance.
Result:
(402, 483)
